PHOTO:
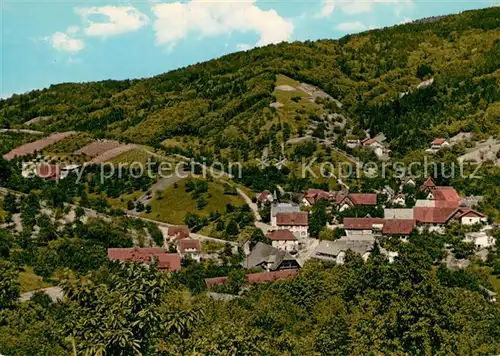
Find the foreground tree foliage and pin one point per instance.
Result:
(356, 308)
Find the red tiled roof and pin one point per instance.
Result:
(166, 260)
(448, 194)
(361, 223)
(210, 282)
(368, 141)
(262, 277)
(292, 219)
(178, 231)
(433, 215)
(170, 261)
(429, 183)
(363, 199)
(189, 244)
(313, 195)
(340, 198)
(48, 171)
(281, 235)
(398, 227)
(270, 276)
(438, 141)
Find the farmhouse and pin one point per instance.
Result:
(444, 197)
(428, 185)
(297, 223)
(284, 240)
(178, 232)
(370, 226)
(189, 248)
(349, 201)
(277, 208)
(363, 226)
(166, 261)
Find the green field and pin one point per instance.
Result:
(30, 281)
(176, 203)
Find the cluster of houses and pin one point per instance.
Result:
(442, 206)
(178, 236)
(289, 231)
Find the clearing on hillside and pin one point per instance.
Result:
(174, 203)
(96, 148)
(38, 145)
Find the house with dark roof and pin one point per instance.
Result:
(166, 261)
(351, 200)
(270, 258)
(284, 240)
(335, 251)
(297, 223)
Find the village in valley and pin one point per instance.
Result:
(288, 228)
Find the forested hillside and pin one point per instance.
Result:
(224, 103)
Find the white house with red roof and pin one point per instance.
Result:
(189, 248)
(296, 222)
(284, 240)
(265, 196)
(437, 145)
(314, 195)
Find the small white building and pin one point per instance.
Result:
(480, 239)
(437, 145)
(284, 240)
(472, 217)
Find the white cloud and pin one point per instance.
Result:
(121, 19)
(354, 26)
(72, 30)
(175, 21)
(63, 42)
(351, 7)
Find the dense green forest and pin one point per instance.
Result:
(224, 103)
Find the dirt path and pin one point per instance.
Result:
(30, 132)
(55, 293)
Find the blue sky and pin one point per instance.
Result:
(47, 42)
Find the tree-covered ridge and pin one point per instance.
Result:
(225, 102)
